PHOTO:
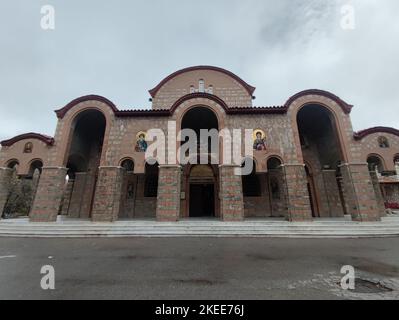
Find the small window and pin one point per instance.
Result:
(201, 86)
(210, 89)
(28, 148)
(192, 89)
(383, 142)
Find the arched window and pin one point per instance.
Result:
(12, 164)
(28, 148)
(151, 180)
(128, 165)
(192, 89)
(374, 163)
(396, 159)
(35, 165)
(250, 183)
(383, 142)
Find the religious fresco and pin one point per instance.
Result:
(259, 137)
(141, 144)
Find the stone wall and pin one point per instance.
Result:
(49, 194)
(231, 197)
(107, 198)
(168, 201)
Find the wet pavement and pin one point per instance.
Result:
(199, 268)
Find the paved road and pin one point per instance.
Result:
(189, 268)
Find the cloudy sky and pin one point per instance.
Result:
(120, 49)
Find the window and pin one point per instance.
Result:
(201, 86)
(28, 148)
(128, 165)
(251, 183)
(383, 142)
(192, 89)
(151, 181)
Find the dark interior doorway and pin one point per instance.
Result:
(202, 200)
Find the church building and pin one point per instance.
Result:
(308, 163)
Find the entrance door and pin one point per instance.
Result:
(202, 200)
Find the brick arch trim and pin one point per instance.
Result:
(31, 135)
(250, 89)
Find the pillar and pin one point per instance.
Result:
(67, 197)
(362, 203)
(332, 193)
(378, 194)
(298, 201)
(169, 187)
(77, 192)
(49, 194)
(107, 197)
(6, 175)
(231, 194)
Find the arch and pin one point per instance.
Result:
(31, 135)
(197, 118)
(346, 108)
(35, 164)
(330, 118)
(364, 133)
(374, 161)
(247, 87)
(127, 164)
(274, 162)
(12, 163)
(396, 158)
(63, 111)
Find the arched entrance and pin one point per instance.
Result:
(200, 181)
(202, 195)
(83, 160)
(322, 153)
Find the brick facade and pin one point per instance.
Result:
(297, 193)
(49, 194)
(107, 198)
(5, 180)
(168, 201)
(231, 196)
(327, 177)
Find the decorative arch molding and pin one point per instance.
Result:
(250, 89)
(346, 108)
(364, 133)
(31, 135)
(63, 111)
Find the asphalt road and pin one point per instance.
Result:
(198, 268)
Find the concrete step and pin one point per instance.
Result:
(322, 228)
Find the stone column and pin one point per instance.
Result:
(298, 201)
(79, 189)
(332, 193)
(49, 194)
(67, 197)
(107, 197)
(362, 202)
(378, 194)
(230, 194)
(169, 186)
(6, 175)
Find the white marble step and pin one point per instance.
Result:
(389, 227)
